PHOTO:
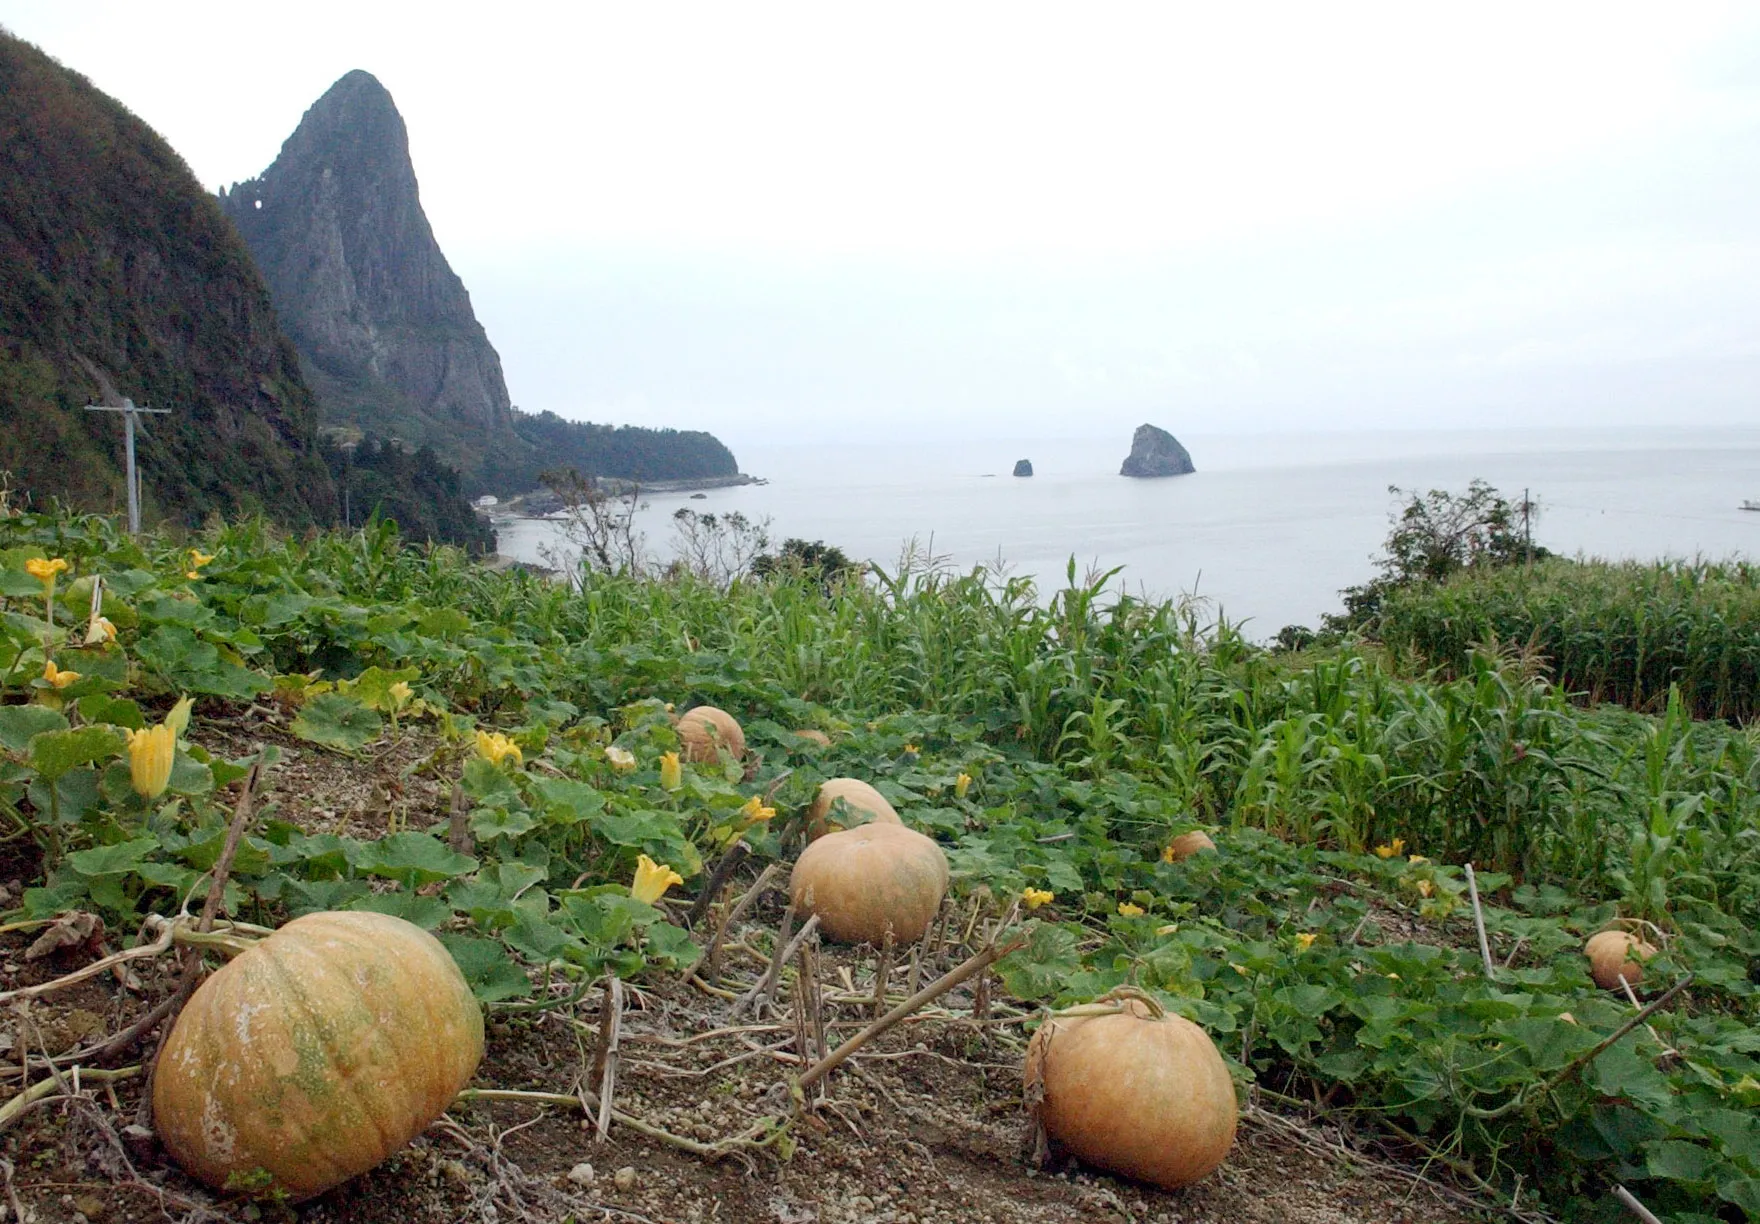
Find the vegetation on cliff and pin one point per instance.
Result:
(120, 277)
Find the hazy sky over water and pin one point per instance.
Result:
(828, 221)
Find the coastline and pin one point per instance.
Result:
(541, 503)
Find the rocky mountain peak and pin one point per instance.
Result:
(384, 326)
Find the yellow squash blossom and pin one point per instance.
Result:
(198, 558)
(44, 571)
(1415, 859)
(671, 772)
(620, 758)
(1305, 940)
(1425, 888)
(961, 785)
(55, 676)
(400, 694)
(100, 630)
(495, 748)
(754, 810)
(1389, 851)
(1033, 898)
(1127, 910)
(912, 749)
(152, 751)
(652, 880)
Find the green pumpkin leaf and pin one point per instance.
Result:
(1041, 968)
(312, 896)
(670, 947)
(372, 688)
(425, 912)
(486, 966)
(491, 822)
(113, 860)
(415, 858)
(331, 720)
(118, 711)
(53, 753)
(18, 723)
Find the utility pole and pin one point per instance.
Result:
(129, 412)
(1527, 528)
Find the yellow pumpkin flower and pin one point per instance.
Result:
(1415, 859)
(198, 558)
(496, 748)
(1305, 940)
(652, 880)
(1389, 851)
(1425, 888)
(153, 750)
(1127, 910)
(55, 676)
(400, 694)
(1033, 898)
(671, 772)
(622, 759)
(754, 810)
(44, 571)
(911, 749)
(961, 785)
(100, 630)
(1239, 968)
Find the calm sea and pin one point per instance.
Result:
(1267, 530)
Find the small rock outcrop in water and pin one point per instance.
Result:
(1155, 452)
(1023, 467)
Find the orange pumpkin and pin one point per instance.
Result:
(704, 731)
(1186, 845)
(814, 734)
(316, 1053)
(857, 794)
(870, 880)
(1615, 954)
(1137, 1091)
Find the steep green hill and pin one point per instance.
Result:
(120, 277)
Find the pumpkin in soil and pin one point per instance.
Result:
(1616, 954)
(812, 733)
(1186, 845)
(704, 731)
(858, 795)
(1136, 1091)
(870, 880)
(317, 1053)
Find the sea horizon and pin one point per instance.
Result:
(1268, 529)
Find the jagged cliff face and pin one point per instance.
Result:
(383, 323)
(120, 277)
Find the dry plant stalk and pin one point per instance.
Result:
(606, 1060)
(976, 963)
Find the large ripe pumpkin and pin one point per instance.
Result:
(857, 794)
(870, 880)
(316, 1053)
(1615, 954)
(1138, 1091)
(1185, 845)
(702, 730)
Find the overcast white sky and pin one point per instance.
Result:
(835, 221)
